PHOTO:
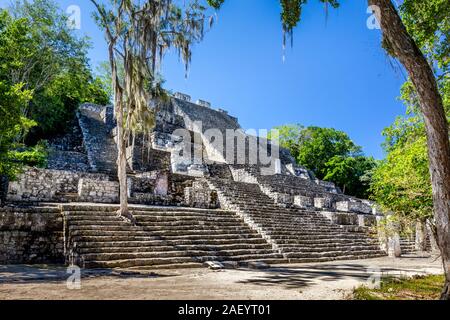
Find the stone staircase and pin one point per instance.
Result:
(408, 246)
(293, 185)
(99, 143)
(300, 235)
(164, 237)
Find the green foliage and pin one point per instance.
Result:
(32, 156)
(418, 287)
(104, 78)
(216, 4)
(54, 107)
(352, 174)
(402, 182)
(51, 61)
(429, 24)
(330, 153)
(289, 137)
(12, 98)
(44, 75)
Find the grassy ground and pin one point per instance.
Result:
(413, 288)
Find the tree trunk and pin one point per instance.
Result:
(122, 165)
(121, 143)
(401, 45)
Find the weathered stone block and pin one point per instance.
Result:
(182, 96)
(323, 203)
(304, 202)
(345, 219)
(366, 220)
(30, 235)
(283, 198)
(204, 103)
(98, 191)
(351, 206)
(200, 196)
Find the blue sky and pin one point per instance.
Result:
(336, 75)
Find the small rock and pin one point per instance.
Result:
(214, 265)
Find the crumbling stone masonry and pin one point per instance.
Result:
(31, 235)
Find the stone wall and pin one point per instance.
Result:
(31, 235)
(47, 185)
(99, 144)
(353, 206)
(177, 185)
(201, 196)
(67, 152)
(154, 182)
(90, 190)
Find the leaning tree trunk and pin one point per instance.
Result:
(403, 47)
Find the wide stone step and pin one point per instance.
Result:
(161, 223)
(186, 265)
(299, 245)
(164, 233)
(293, 222)
(159, 219)
(210, 217)
(335, 258)
(329, 249)
(306, 250)
(295, 225)
(282, 220)
(125, 263)
(162, 229)
(231, 254)
(320, 237)
(98, 238)
(328, 254)
(92, 242)
(304, 233)
(154, 213)
(164, 247)
(301, 227)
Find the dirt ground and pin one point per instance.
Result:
(332, 280)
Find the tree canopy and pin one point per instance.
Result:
(44, 76)
(402, 182)
(330, 154)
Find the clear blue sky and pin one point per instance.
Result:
(336, 75)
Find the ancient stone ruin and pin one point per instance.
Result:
(193, 200)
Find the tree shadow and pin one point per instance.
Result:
(302, 277)
(22, 274)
